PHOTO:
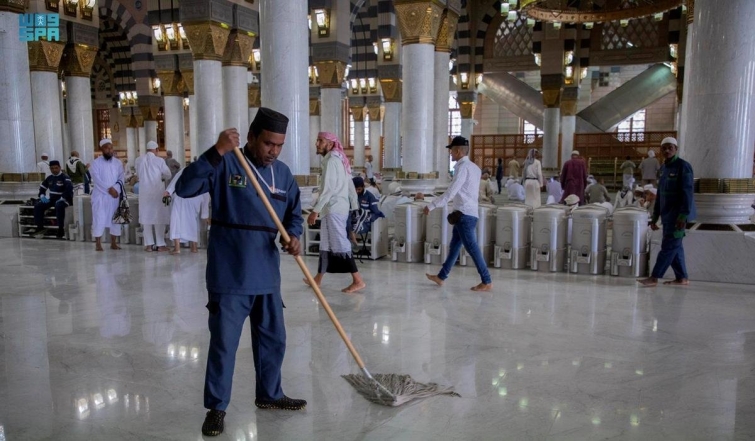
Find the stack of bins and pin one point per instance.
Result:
(629, 246)
(409, 233)
(438, 235)
(588, 241)
(513, 236)
(548, 252)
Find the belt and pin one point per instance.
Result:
(218, 223)
(526, 179)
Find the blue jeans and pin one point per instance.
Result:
(672, 254)
(465, 233)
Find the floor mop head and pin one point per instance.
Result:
(394, 389)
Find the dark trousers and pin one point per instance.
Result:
(227, 316)
(60, 212)
(499, 185)
(672, 254)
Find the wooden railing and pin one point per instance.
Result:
(487, 149)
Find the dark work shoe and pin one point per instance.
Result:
(284, 403)
(213, 423)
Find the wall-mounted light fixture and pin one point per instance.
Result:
(159, 34)
(184, 38)
(464, 80)
(309, 21)
(569, 75)
(363, 85)
(658, 16)
(530, 22)
(186, 103)
(354, 86)
(322, 18)
(538, 59)
(52, 5)
(589, 25)
(314, 76)
(624, 23)
(346, 71)
(70, 7)
(256, 57)
(568, 57)
(372, 83)
(556, 25)
(387, 44)
(583, 73)
(156, 85)
(375, 47)
(478, 79)
(674, 51)
(63, 88)
(172, 35)
(87, 8)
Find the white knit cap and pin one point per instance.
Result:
(105, 141)
(44, 154)
(152, 145)
(669, 140)
(575, 153)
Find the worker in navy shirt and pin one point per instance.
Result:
(674, 206)
(60, 189)
(243, 264)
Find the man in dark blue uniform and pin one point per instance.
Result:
(243, 264)
(60, 188)
(675, 206)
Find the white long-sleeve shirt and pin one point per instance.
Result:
(337, 193)
(464, 189)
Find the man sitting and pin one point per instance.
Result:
(368, 208)
(60, 188)
(515, 190)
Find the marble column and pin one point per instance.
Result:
(173, 87)
(141, 136)
(569, 101)
(375, 110)
(150, 127)
(79, 60)
(443, 45)
(551, 87)
(392, 135)
(131, 143)
(314, 129)
(358, 113)
(44, 60)
(207, 41)
(65, 138)
(719, 94)
(467, 103)
(17, 154)
(331, 94)
(235, 66)
(285, 53)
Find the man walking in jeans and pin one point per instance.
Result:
(464, 191)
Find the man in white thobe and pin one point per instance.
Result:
(107, 174)
(153, 213)
(43, 166)
(183, 216)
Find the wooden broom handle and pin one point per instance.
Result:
(299, 260)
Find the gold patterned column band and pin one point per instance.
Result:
(376, 112)
(726, 186)
(149, 105)
(401, 174)
(188, 77)
(13, 6)
(238, 50)
(45, 56)
(551, 86)
(331, 73)
(569, 100)
(690, 11)
(254, 97)
(358, 113)
(391, 90)
(131, 122)
(418, 20)
(138, 121)
(171, 83)
(445, 39)
(314, 107)
(78, 60)
(466, 109)
(207, 40)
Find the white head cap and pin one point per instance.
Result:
(105, 141)
(648, 187)
(572, 199)
(45, 155)
(152, 145)
(575, 153)
(651, 154)
(652, 190)
(669, 140)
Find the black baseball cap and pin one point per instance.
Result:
(458, 140)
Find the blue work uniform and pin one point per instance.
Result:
(367, 214)
(60, 189)
(243, 268)
(675, 202)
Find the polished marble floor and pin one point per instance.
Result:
(111, 346)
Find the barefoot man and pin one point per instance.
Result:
(675, 206)
(463, 191)
(107, 174)
(337, 198)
